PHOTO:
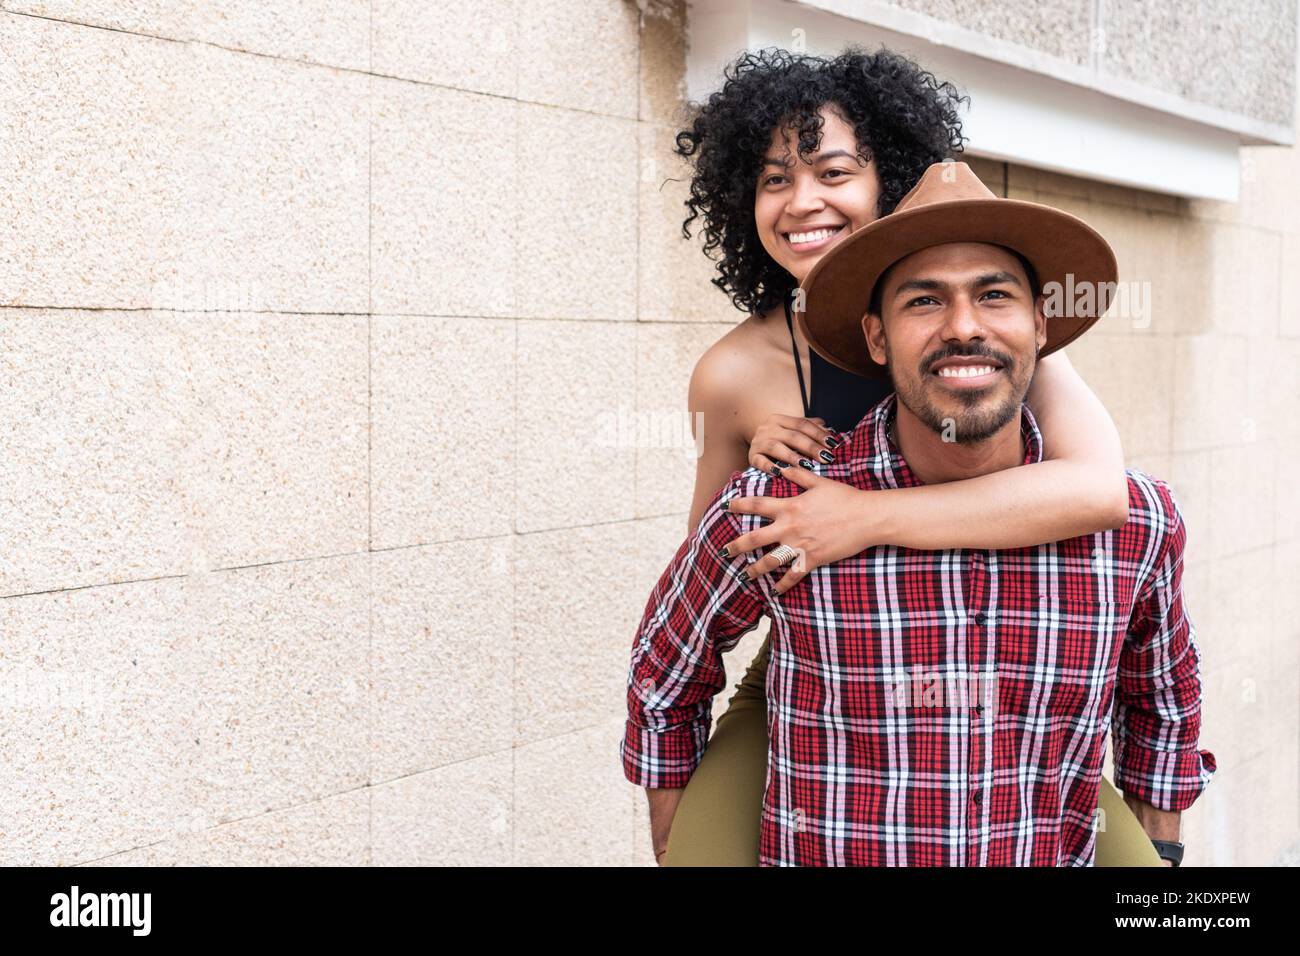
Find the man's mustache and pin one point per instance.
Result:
(969, 351)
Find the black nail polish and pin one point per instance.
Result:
(723, 505)
(722, 553)
(776, 469)
(826, 456)
(832, 441)
(804, 462)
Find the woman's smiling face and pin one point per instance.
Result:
(803, 208)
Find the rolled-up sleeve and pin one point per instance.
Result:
(699, 609)
(1158, 690)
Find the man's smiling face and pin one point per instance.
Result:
(959, 329)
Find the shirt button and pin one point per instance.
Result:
(980, 618)
(976, 796)
(979, 709)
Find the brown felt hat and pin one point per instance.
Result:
(950, 204)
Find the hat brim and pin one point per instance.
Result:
(1062, 248)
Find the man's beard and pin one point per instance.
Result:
(975, 420)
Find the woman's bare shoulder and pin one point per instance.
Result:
(725, 373)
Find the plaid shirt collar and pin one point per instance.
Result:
(872, 450)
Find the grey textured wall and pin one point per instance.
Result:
(1062, 28)
(1236, 56)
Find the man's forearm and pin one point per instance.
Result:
(663, 807)
(1158, 824)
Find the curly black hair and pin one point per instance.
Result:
(904, 118)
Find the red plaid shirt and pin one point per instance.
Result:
(933, 707)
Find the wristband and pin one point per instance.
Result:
(1168, 850)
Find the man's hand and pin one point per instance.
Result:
(663, 807)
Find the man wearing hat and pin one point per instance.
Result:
(939, 707)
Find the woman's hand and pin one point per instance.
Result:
(785, 439)
(824, 523)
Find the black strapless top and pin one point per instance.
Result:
(839, 397)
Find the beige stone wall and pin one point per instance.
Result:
(319, 543)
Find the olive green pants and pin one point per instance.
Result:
(717, 820)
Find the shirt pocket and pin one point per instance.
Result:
(1057, 655)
